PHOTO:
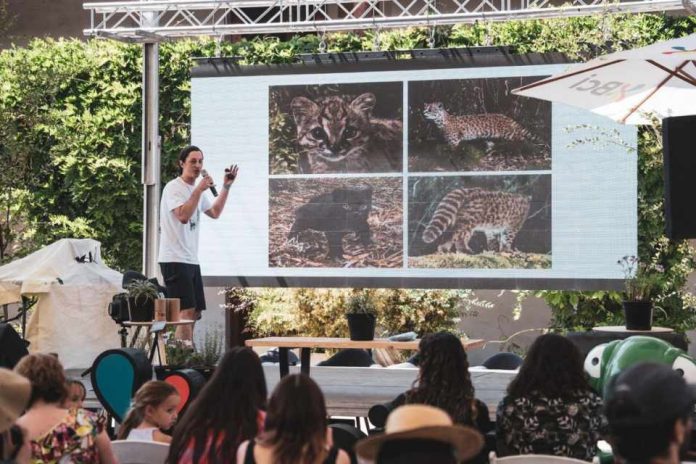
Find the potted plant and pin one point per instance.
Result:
(639, 283)
(361, 313)
(141, 300)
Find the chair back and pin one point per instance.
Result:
(140, 452)
(535, 459)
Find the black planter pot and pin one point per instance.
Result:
(143, 311)
(361, 326)
(638, 315)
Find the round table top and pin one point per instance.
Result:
(622, 329)
(149, 323)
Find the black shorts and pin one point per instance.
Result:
(184, 281)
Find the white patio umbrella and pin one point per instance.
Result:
(630, 87)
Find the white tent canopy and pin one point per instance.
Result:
(73, 288)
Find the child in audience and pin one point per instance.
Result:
(550, 407)
(229, 410)
(296, 428)
(76, 394)
(154, 409)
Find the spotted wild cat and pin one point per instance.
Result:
(488, 127)
(463, 211)
(338, 213)
(339, 134)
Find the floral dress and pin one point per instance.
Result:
(71, 441)
(536, 424)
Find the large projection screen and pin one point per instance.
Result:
(423, 173)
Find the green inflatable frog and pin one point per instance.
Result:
(605, 361)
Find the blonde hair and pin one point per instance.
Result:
(152, 393)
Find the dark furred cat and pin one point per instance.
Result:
(339, 134)
(338, 213)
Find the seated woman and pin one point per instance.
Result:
(550, 407)
(444, 382)
(55, 432)
(296, 428)
(229, 410)
(15, 392)
(420, 434)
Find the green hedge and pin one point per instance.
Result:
(70, 135)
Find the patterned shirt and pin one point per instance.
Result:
(536, 424)
(71, 441)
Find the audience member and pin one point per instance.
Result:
(76, 394)
(421, 434)
(550, 407)
(55, 432)
(444, 382)
(15, 392)
(228, 411)
(154, 408)
(296, 428)
(649, 413)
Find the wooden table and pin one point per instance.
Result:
(307, 343)
(155, 343)
(623, 329)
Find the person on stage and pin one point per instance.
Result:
(183, 200)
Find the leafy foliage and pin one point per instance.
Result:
(320, 312)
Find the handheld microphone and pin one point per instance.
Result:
(213, 190)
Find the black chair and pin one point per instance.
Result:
(345, 437)
(504, 361)
(350, 357)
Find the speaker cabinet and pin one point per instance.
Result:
(12, 347)
(678, 137)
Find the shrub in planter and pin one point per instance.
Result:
(141, 300)
(361, 313)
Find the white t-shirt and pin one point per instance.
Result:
(142, 434)
(179, 242)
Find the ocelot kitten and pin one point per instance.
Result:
(499, 215)
(337, 213)
(489, 127)
(339, 134)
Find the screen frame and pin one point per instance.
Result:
(393, 61)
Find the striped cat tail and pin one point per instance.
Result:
(445, 215)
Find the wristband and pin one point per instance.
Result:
(227, 186)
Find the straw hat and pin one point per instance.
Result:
(419, 421)
(15, 391)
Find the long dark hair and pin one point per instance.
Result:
(225, 412)
(152, 393)
(443, 380)
(553, 368)
(296, 422)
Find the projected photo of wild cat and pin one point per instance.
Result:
(477, 125)
(354, 222)
(492, 222)
(337, 128)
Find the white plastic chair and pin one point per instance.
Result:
(140, 452)
(536, 459)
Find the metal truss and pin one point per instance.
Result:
(157, 20)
